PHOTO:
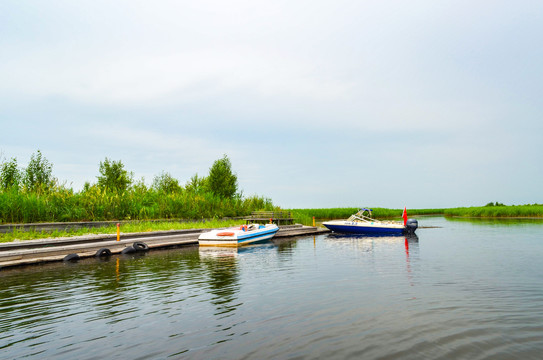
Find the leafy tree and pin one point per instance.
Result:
(10, 175)
(140, 187)
(165, 182)
(113, 176)
(221, 181)
(196, 184)
(38, 174)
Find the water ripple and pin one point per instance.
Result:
(442, 296)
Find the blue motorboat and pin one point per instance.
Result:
(363, 223)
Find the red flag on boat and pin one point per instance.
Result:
(404, 215)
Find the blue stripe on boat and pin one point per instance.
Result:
(258, 236)
(272, 231)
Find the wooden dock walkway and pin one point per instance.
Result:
(47, 250)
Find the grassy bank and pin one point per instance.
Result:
(132, 227)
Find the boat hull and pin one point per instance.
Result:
(237, 237)
(364, 228)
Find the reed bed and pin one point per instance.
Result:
(518, 211)
(94, 204)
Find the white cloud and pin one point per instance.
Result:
(142, 80)
(173, 85)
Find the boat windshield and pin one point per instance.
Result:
(365, 215)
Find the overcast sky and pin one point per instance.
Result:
(317, 103)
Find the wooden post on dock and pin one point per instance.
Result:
(313, 221)
(118, 232)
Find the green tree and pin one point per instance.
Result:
(165, 182)
(196, 184)
(140, 188)
(38, 174)
(221, 180)
(113, 176)
(10, 175)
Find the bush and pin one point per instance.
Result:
(196, 185)
(10, 175)
(166, 183)
(221, 181)
(113, 176)
(38, 175)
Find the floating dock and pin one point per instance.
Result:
(29, 252)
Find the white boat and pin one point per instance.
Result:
(363, 223)
(246, 234)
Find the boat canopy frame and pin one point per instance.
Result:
(365, 215)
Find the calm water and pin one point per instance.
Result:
(466, 290)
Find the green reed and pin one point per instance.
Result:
(510, 211)
(61, 204)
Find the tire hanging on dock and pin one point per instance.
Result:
(103, 252)
(128, 250)
(71, 258)
(140, 246)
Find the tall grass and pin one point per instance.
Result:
(94, 204)
(497, 211)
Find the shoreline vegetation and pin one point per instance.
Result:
(301, 216)
(33, 195)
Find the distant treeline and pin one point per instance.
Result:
(32, 194)
(491, 210)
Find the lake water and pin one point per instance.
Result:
(463, 290)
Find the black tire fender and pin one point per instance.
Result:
(103, 252)
(71, 258)
(140, 246)
(128, 250)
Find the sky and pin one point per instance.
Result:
(422, 104)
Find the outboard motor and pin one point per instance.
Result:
(411, 226)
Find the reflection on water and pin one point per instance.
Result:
(457, 291)
(222, 277)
